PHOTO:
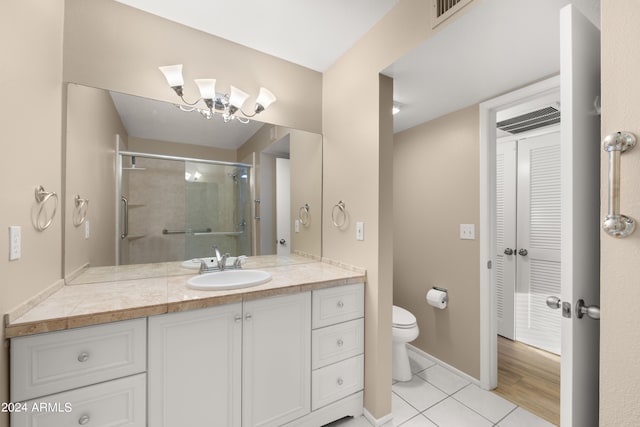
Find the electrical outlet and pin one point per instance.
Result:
(467, 232)
(15, 242)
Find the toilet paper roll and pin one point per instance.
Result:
(437, 298)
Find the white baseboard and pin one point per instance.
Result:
(377, 422)
(444, 365)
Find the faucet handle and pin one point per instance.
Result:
(203, 266)
(238, 262)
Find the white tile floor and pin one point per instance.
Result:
(435, 396)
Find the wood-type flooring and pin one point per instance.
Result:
(529, 377)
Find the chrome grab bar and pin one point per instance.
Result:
(616, 224)
(219, 233)
(165, 231)
(125, 217)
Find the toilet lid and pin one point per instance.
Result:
(402, 318)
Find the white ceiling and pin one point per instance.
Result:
(494, 47)
(311, 33)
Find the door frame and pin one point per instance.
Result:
(488, 135)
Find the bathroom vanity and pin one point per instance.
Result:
(288, 352)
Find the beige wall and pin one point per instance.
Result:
(31, 64)
(436, 169)
(112, 46)
(357, 165)
(306, 188)
(92, 126)
(620, 258)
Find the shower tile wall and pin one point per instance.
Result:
(156, 202)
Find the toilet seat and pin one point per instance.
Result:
(402, 319)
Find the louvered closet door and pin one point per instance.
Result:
(505, 263)
(538, 233)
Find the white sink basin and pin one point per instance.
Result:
(228, 279)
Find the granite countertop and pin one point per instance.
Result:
(108, 294)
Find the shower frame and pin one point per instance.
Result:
(121, 153)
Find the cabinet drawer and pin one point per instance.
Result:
(338, 304)
(56, 361)
(113, 403)
(338, 342)
(336, 381)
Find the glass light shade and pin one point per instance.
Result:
(265, 98)
(173, 74)
(237, 97)
(207, 88)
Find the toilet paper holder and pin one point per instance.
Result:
(446, 298)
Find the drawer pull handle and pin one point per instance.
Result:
(84, 420)
(83, 357)
(340, 342)
(340, 304)
(340, 381)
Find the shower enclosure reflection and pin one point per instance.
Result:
(175, 209)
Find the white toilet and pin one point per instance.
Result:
(404, 330)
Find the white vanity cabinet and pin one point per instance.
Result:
(338, 344)
(93, 375)
(241, 364)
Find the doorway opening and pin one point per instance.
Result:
(513, 356)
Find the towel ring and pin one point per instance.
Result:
(42, 197)
(303, 215)
(80, 212)
(340, 212)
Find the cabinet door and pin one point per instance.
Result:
(276, 360)
(194, 368)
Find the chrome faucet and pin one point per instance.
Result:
(221, 260)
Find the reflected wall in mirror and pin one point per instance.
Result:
(189, 183)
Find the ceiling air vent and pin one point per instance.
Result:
(443, 9)
(536, 119)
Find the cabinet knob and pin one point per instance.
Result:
(340, 381)
(340, 304)
(340, 342)
(84, 420)
(247, 316)
(83, 357)
(237, 318)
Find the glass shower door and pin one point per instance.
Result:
(218, 209)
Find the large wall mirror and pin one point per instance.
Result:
(149, 184)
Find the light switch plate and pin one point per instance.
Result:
(467, 231)
(359, 230)
(15, 242)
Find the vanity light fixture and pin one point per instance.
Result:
(227, 105)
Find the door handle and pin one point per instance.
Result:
(553, 302)
(593, 311)
(508, 251)
(523, 252)
(125, 215)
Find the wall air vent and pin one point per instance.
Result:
(444, 9)
(535, 119)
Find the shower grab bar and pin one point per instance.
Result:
(219, 233)
(165, 231)
(125, 217)
(616, 224)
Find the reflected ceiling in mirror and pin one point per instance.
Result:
(162, 121)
